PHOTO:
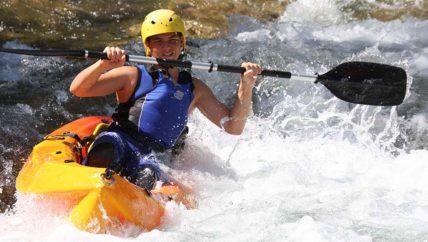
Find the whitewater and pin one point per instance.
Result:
(308, 167)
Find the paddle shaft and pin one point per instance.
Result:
(210, 67)
(206, 66)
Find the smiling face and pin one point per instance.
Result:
(165, 46)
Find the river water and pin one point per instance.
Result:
(309, 167)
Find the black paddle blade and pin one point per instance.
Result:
(366, 83)
(64, 53)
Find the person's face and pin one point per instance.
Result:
(165, 46)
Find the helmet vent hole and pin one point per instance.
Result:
(153, 22)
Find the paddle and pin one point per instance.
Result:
(356, 82)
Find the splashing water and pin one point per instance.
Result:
(309, 167)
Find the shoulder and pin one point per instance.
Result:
(201, 90)
(132, 70)
(199, 85)
(129, 77)
(123, 72)
(198, 82)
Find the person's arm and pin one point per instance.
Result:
(106, 77)
(231, 120)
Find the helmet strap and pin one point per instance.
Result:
(182, 56)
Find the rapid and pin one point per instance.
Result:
(308, 167)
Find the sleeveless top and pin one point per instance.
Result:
(157, 111)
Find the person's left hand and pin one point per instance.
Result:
(248, 78)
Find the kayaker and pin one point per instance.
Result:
(154, 102)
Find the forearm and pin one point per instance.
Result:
(86, 79)
(240, 110)
(230, 120)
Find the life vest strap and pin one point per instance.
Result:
(131, 129)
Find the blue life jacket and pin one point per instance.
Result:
(152, 119)
(157, 111)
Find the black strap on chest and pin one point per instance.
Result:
(184, 77)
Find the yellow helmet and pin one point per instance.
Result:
(160, 22)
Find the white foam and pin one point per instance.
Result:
(420, 63)
(322, 12)
(254, 36)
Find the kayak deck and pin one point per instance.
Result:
(97, 204)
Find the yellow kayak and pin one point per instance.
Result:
(96, 204)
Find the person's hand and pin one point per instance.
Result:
(248, 78)
(116, 58)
